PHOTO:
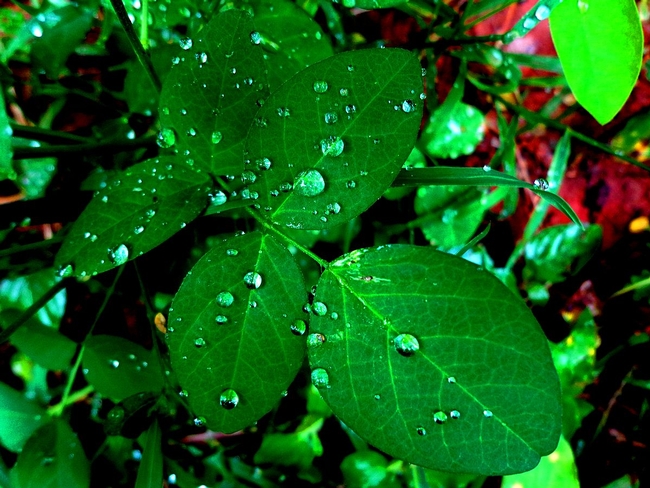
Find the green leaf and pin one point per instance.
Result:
(600, 46)
(6, 152)
(119, 368)
(559, 251)
(146, 205)
(298, 448)
(363, 469)
(291, 40)
(19, 418)
(53, 457)
(211, 94)
(150, 472)
(556, 469)
(371, 4)
(229, 330)
(34, 175)
(434, 361)
(334, 137)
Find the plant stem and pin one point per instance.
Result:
(463, 40)
(57, 409)
(144, 24)
(142, 55)
(44, 135)
(35, 307)
(30, 247)
(89, 148)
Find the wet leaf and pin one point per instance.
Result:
(453, 131)
(6, 153)
(434, 361)
(119, 368)
(229, 329)
(19, 418)
(53, 457)
(367, 468)
(211, 94)
(146, 205)
(334, 136)
(601, 48)
(150, 472)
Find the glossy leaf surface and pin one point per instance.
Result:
(229, 330)
(150, 472)
(600, 46)
(119, 368)
(146, 205)
(210, 96)
(21, 292)
(434, 361)
(6, 153)
(52, 458)
(19, 418)
(333, 137)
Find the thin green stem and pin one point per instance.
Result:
(463, 40)
(89, 148)
(144, 24)
(44, 135)
(142, 55)
(57, 409)
(30, 247)
(35, 307)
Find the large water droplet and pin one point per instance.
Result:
(186, 43)
(256, 37)
(315, 340)
(542, 12)
(406, 344)
(225, 299)
(229, 399)
(454, 414)
(440, 417)
(541, 183)
(408, 106)
(166, 138)
(332, 146)
(319, 308)
(248, 177)
(119, 255)
(299, 327)
(263, 164)
(252, 280)
(218, 198)
(216, 137)
(309, 183)
(320, 86)
(331, 118)
(320, 378)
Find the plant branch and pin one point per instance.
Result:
(101, 147)
(142, 55)
(44, 135)
(463, 40)
(35, 307)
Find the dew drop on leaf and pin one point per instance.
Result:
(248, 177)
(421, 431)
(451, 379)
(216, 137)
(487, 168)
(406, 344)
(263, 164)
(351, 184)
(229, 399)
(320, 378)
(221, 319)
(186, 43)
(139, 229)
(218, 198)
(315, 340)
(119, 255)
(331, 118)
(408, 106)
(199, 421)
(252, 280)
(319, 308)
(299, 327)
(232, 252)
(454, 414)
(344, 92)
(166, 138)
(332, 146)
(65, 271)
(199, 342)
(541, 183)
(320, 86)
(309, 183)
(542, 12)
(350, 109)
(487, 414)
(225, 299)
(284, 112)
(440, 417)
(256, 37)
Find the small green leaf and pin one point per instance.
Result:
(454, 132)
(600, 46)
(150, 472)
(367, 468)
(146, 205)
(334, 136)
(6, 152)
(19, 418)
(53, 457)
(21, 292)
(298, 448)
(118, 368)
(230, 330)
(434, 361)
(211, 94)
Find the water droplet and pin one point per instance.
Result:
(320, 86)
(319, 308)
(191, 132)
(332, 146)
(199, 421)
(378, 397)
(406, 344)
(65, 271)
(541, 183)
(542, 12)
(119, 255)
(232, 252)
(440, 417)
(423, 96)
(218, 198)
(451, 379)
(315, 340)
(421, 431)
(229, 399)
(225, 299)
(583, 6)
(263, 164)
(216, 137)
(284, 112)
(350, 109)
(221, 319)
(252, 280)
(351, 184)
(176, 60)
(256, 37)
(309, 183)
(334, 316)
(487, 414)
(186, 43)
(332, 208)
(529, 23)
(200, 342)
(331, 118)
(299, 327)
(166, 138)
(320, 378)
(350, 68)
(248, 177)
(408, 106)
(114, 363)
(454, 414)
(344, 92)
(202, 58)
(36, 29)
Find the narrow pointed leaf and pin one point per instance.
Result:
(434, 361)
(333, 137)
(146, 205)
(210, 95)
(150, 472)
(600, 46)
(229, 330)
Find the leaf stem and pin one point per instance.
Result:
(57, 409)
(30, 247)
(35, 307)
(144, 24)
(463, 40)
(44, 135)
(90, 148)
(139, 50)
